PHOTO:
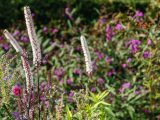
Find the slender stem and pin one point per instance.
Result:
(39, 110)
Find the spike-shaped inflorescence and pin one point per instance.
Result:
(87, 56)
(14, 43)
(26, 65)
(32, 36)
(27, 69)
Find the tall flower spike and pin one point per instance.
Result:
(28, 73)
(87, 56)
(11, 39)
(32, 36)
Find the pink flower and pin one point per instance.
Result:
(16, 90)
(110, 72)
(108, 33)
(138, 14)
(146, 54)
(129, 60)
(54, 30)
(100, 81)
(108, 60)
(124, 65)
(133, 45)
(125, 86)
(149, 42)
(118, 26)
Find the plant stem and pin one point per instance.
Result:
(39, 110)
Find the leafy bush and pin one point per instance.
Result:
(124, 49)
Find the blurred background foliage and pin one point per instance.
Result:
(46, 12)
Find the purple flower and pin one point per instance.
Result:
(138, 14)
(16, 33)
(1, 38)
(16, 115)
(42, 98)
(59, 72)
(78, 48)
(102, 20)
(146, 54)
(71, 94)
(24, 39)
(149, 42)
(69, 81)
(46, 104)
(70, 99)
(108, 33)
(108, 60)
(45, 30)
(110, 72)
(99, 55)
(5, 47)
(124, 65)
(6, 78)
(124, 86)
(129, 60)
(133, 45)
(54, 30)
(100, 80)
(16, 90)
(93, 89)
(68, 14)
(118, 26)
(76, 72)
(61, 82)
(137, 92)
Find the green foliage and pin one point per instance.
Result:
(8, 77)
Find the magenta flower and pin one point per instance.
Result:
(100, 80)
(16, 90)
(108, 33)
(108, 60)
(124, 65)
(118, 26)
(133, 45)
(70, 97)
(59, 72)
(102, 20)
(54, 30)
(129, 60)
(93, 89)
(45, 30)
(99, 55)
(149, 42)
(16, 115)
(138, 14)
(16, 33)
(5, 47)
(24, 39)
(110, 72)
(68, 13)
(1, 38)
(46, 104)
(76, 72)
(146, 54)
(124, 86)
(69, 81)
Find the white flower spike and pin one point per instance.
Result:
(32, 36)
(87, 56)
(14, 43)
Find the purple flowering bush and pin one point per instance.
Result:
(124, 83)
